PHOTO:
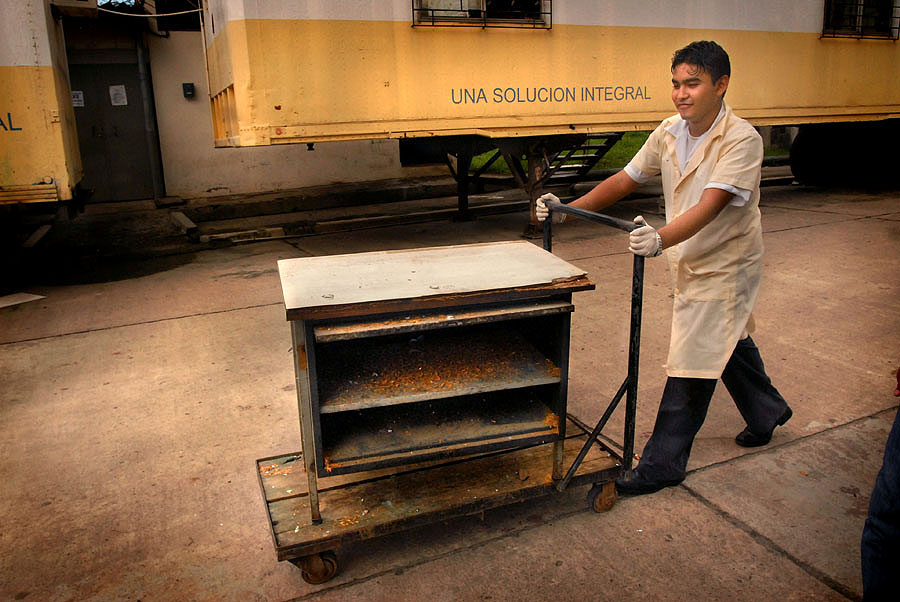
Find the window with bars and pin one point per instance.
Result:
(531, 14)
(862, 19)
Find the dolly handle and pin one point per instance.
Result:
(629, 387)
(615, 222)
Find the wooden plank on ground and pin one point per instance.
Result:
(36, 236)
(183, 222)
(17, 298)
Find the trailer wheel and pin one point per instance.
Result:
(318, 568)
(602, 497)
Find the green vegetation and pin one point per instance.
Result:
(623, 150)
(617, 157)
(498, 166)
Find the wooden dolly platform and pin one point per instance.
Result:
(374, 503)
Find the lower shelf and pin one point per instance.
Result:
(378, 437)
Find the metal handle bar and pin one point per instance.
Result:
(615, 222)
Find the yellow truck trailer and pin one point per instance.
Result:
(535, 79)
(310, 71)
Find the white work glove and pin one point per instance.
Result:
(540, 209)
(644, 240)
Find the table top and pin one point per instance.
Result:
(383, 281)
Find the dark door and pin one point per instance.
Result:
(109, 114)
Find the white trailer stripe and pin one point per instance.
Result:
(23, 34)
(802, 16)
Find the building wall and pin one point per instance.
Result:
(38, 141)
(194, 167)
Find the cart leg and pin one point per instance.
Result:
(463, 163)
(558, 451)
(315, 514)
(304, 402)
(602, 496)
(317, 568)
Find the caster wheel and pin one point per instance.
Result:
(603, 497)
(318, 568)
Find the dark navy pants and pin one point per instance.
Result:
(685, 402)
(880, 549)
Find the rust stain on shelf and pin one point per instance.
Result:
(420, 365)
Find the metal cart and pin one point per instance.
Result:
(432, 384)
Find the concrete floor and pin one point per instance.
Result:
(136, 399)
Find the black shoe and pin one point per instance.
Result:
(747, 438)
(635, 484)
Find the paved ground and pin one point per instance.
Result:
(136, 396)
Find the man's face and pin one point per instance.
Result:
(697, 98)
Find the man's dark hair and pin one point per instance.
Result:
(708, 56)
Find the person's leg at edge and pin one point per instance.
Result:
(880, 545)
(682, 411)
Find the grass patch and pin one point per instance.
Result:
(617, 157)
(623, 150)
(499, 166)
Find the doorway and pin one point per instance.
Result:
(110, 115)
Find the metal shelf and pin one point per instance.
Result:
(332, 332)
(356, 440)
(419, 494)
(436, 364)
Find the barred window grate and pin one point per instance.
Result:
(862, 19)
(523, 14)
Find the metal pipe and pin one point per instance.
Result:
(548, 234)
(615, 222)
(150, 133)
(209, 91)
(562, 484)
(300, 336)
(463, 163)
(634, 351)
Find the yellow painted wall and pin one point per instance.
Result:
(38, 142)
(304, 80)
(193, 167)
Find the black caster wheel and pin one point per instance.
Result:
(602, 497)
(317, 568)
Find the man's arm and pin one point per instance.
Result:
(606, 192)
(602, 195)
(711, 203)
